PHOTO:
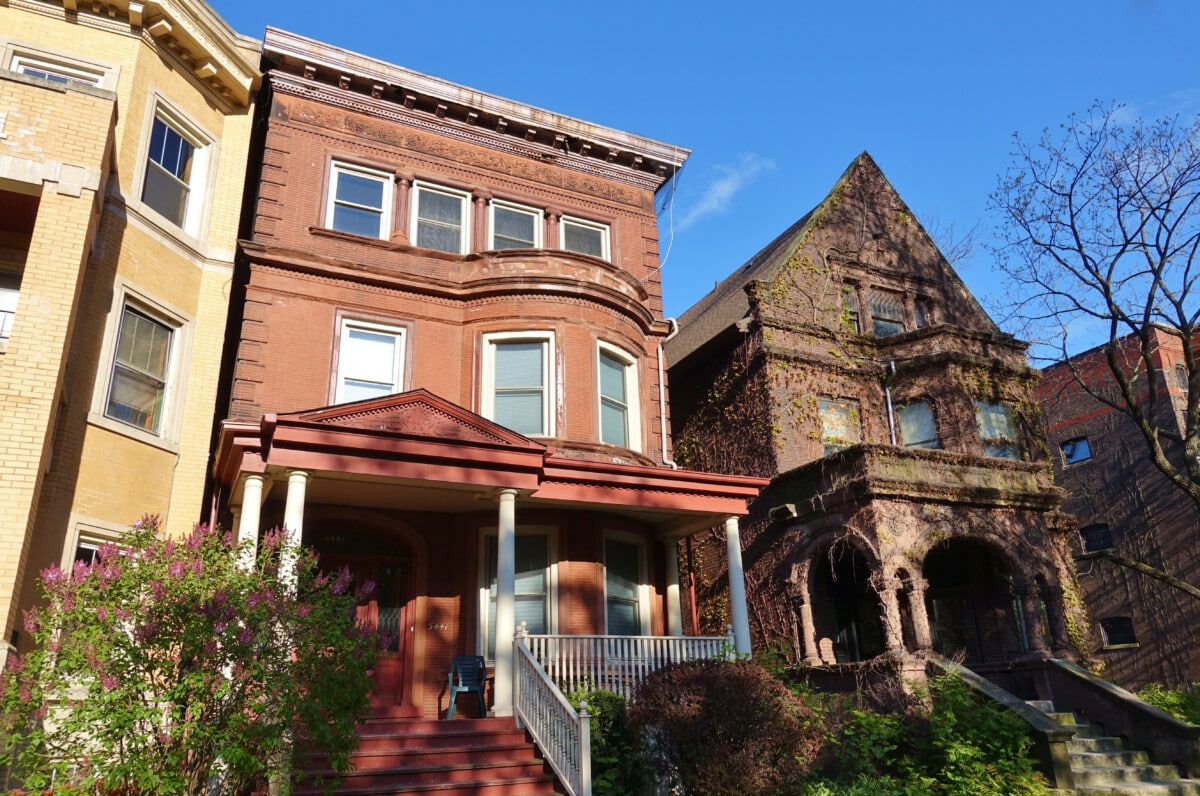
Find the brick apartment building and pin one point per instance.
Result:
(1143, 630)
(445, 367)
(911, 506)
(124, 129)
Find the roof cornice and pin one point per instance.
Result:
(349, 79)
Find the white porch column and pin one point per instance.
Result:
(674, 608)
(248, 518)
(737, 587)
(506, 587)
(293, 526)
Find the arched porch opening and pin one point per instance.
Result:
(972, 603)
(847, 614)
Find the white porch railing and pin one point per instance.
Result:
(562, 733)
(619, 663)
(546, 666)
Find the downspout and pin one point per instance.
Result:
(887, 391)
(662, 394)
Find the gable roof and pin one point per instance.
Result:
(728, 302)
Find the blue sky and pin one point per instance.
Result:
(775, 99)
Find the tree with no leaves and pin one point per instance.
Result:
(1100, 228)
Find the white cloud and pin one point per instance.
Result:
(720, 192)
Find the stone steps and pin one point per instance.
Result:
(1103, 764)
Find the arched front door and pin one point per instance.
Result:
(388, 609)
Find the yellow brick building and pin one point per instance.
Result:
(124, 132)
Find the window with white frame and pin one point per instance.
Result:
(585, 237)
(370, 361)
(515, 226)
(619, 421)
(534, 585)
(1077, 450)
(440, 218)
(137, 387)
(57, 71)
(10, 290)
(360, 200)
(176, 170)
(626, 603)
(916, 426)
(518, 381)
(997, 430)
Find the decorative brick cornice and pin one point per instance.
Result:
(341, 78)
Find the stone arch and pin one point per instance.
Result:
(974, 601)
(847, 617)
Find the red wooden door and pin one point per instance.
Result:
(388, 610)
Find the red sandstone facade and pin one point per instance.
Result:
(1143, 630)
(911, 508)
(449, 330)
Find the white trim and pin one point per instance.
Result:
(643, 589)
(603, 229)
(400, 335)
(175, 383)
(464, 236)
(487, 398)
(204, 166)
(484, 607)
(517, 208)
(88, 532)
(633, 420)
(339, 167)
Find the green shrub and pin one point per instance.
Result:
(1182, 703)
(725, 727)
(616, 754)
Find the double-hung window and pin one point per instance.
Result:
(518, 381)
(533, 587)
(440, 218)
(515, 226)
(841, 425)
(370, 361)
(618, 398)
(141, 366)
(360, 201)
(585, 237)
(176, 172)
(997, 430)
(625, 606)
(916, 426)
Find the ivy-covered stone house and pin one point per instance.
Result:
(911, 506)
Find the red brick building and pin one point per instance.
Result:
(445, 369)
(1142, 629)
(911, 507)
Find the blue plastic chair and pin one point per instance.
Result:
(471, 672)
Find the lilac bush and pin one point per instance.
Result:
(165, 667)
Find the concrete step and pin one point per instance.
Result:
(1113, 775)
(1175, 788)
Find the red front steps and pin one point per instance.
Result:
(465, 757)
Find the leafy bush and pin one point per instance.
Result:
(167, 663)
(616, 754)
(963, 747)
(725, 727)
(1182, 703)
